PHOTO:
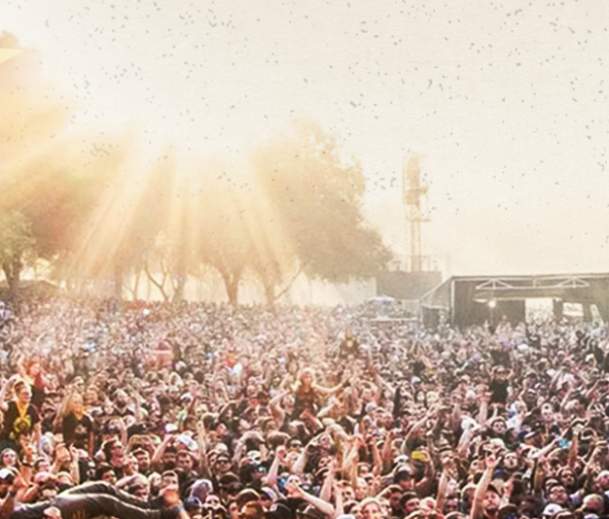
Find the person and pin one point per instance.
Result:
(88, 501)
(75, 424)
(349, 346)
(20, 415)
(308, 394)
(428, 423)
(31, 372)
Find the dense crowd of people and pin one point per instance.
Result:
(158, 411)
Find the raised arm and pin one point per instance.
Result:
(323, 506)
(202, 444)
(326, 489)
(491, 463)
(6, 388)
(330, 390)
(157, 456)
(271, 477)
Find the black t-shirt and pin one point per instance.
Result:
(349, 346)
(499, 391)
(418, 368)
(38, 395)
(15, 424)
(500, 357)
(305, 399)
(534, 341)
(76, 431)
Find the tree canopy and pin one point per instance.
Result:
(88, 208)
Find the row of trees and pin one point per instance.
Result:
(86, 211)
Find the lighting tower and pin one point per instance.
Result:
(414, 191)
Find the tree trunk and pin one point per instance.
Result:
(179, 281)
(178, 293)
(231, 284)
(118, 282)
(269, 293)
(269, 289)
(136, 285)
(232, 291)
(159, 285)
(12, 272)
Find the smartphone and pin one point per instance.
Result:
(563, 443)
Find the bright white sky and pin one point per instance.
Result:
(507, 102)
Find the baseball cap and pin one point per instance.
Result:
(279, 511)
(192, 503)
(551, 509)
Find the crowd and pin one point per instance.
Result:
(158, 411)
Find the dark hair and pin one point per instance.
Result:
(392, 488)
(407, 497)
(108, 446)
(103, 469)
(277, 438)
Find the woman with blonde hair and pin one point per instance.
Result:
(74, 422)
(371, 508)
(308, 394)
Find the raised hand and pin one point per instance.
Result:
(491, 461)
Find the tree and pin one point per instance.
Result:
(63, 193)
(16, 244)
(315, 196)
(35, 195)
(224, 241)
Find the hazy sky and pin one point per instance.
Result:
(506, 102)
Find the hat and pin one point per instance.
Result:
(370, 407)
(403, 472)
(228, 479)
(279, 511)
(246, 495)
(222, 455)
(492, 487)
(507, 510)
(139, 450)
(269, 493)
(192, 503)
(552, 509)
(310, 512)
